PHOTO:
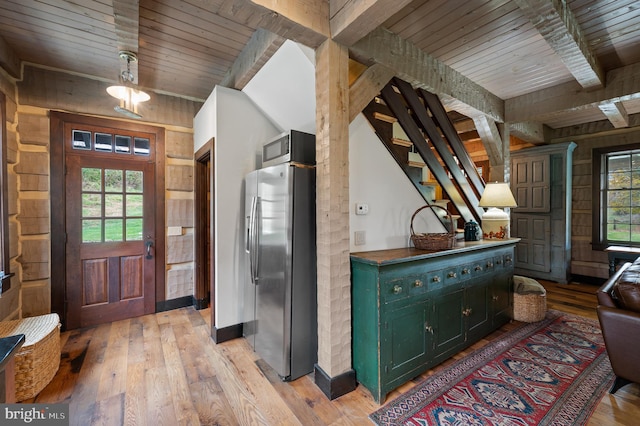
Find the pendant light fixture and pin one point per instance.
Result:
(129, 96)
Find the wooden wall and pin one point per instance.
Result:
(29, 199)
(10, 300)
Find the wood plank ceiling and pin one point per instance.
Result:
(514, 54)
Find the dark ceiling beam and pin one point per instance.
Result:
(355, 19)
(9, 61)
(260, 48)
(422, 70)
(556, 23)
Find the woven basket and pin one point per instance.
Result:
(441, 241)
(39, 358)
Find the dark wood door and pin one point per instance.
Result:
(110, 247)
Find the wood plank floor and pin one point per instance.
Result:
(164, 369)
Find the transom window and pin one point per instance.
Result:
(617, 176)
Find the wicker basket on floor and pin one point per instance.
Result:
(442, 241)
(529, 307)
(39, 358)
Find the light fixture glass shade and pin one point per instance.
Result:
(126, 93)
(495, 222)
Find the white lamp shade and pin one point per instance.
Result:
(129, 94)
(497, 194)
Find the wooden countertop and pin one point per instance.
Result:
(390, 256)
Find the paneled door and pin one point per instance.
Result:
(110, 247)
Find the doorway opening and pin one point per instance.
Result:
(204, 292)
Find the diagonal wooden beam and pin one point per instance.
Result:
(367, 87)
(424, 71)
(354, 19)
(126, 14)
(559, 27)
(491, 139)
(616, 113)
(260, 48)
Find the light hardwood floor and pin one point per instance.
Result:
(164, 369)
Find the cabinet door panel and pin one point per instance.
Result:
(477, 306)
(501, 289)
(448, 324)
(404, 342)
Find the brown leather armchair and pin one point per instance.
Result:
(620, 323)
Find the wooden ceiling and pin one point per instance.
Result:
(516, 54)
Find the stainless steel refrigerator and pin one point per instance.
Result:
(280, 307)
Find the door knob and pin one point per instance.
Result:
(148, 245)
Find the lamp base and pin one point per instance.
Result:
(495, 224)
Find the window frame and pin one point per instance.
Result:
(5, 261)
(598, 232)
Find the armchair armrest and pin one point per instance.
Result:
(621, 333)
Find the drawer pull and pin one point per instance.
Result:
(499, 261)
(508, 259)
(436, 279)
(452, 274)
(489, 264)
(418, 283)
(466, 271)
(397, 289)
(467, 312)
(495, 298)
(478, 268)
(428, 328)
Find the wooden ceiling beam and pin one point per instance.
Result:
(303, 21)
(616, 114)
(529, 131)
(423, 70)
(559, 27)
(9, 61)
(354, 19)
(260, 48)
(126, 14)
(491, 139)
(622, 85)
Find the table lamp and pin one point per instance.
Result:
(495, 221)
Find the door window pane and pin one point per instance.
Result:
(113, 205)
(113, 180)
(113, 229)
(91, 179)
(91, 205)
(123, 144)
(134, 205)
(104, 142)
(134, 181)
(91, 230)
(81, 139)
(141, 146)
(134, 229)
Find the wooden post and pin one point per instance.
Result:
(333, 374)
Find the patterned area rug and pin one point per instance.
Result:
(551, 372)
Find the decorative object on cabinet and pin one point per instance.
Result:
(412, 310)
(433, 241)
(495, 221)
(541, 183)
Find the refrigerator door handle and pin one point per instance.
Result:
(256, 239)
(251, 247)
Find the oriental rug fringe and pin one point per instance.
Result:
(553, 372)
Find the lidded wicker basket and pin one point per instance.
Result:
(433, 241)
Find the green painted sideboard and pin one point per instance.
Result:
(413, 309)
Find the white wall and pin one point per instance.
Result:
(240, 130)
(375, 179)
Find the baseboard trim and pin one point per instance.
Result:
(169, 305)
(334, 387)
(200, 304)
(588, 280)
(224, 334)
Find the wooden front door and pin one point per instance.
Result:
(110, 223)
